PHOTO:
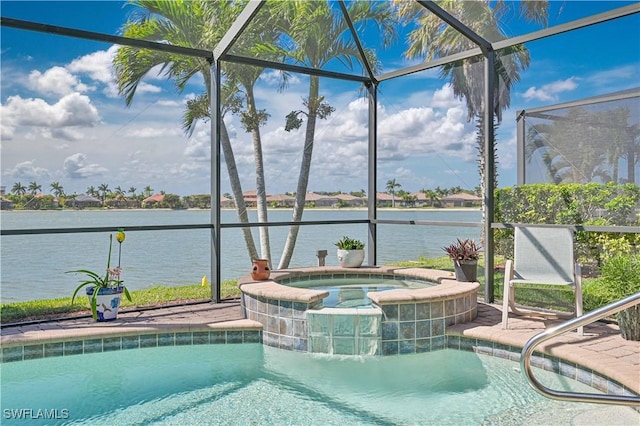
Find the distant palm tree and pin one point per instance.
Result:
(148, 191)
(391, 189)
(132, 190)
(19, 189)
(91, 190)
(57, 189)
(34, 188)
(431, 196)
(103, 189)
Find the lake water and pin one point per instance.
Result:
(33, 266)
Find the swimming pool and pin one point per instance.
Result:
(240, 384)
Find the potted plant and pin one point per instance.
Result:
(465, 254)
(350, 252)
(104, 290)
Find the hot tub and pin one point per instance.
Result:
(296, 314)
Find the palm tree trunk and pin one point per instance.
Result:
(261, 191)
(236, 188)
(305, 169)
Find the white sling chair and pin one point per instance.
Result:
(541, 256)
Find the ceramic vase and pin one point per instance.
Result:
(260, 270)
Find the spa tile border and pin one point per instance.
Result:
(543, 361)
(110, 343)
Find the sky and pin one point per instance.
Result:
(62, 119)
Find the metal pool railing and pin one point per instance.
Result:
(529, 347)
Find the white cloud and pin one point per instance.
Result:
(76, 167)
(27, 170)
(56, 81)
(97, 65)
(549, 92)
(71, 110)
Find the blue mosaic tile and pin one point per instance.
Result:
(450, 307)
(270, 339)
(148, 340)
(234, 336)
(438, 343)
(286, 309)
(273, 324)
(407, 312)
(33, 351)
(423, 329)
(299, 328)
(131, 342)
(390, 348)
(407, 347)
(286, 342)
(166, 339)
(200, 337)
(390, 312)
(12, 354)
(184, 338)
(407, 330)
(437, 309)
(299, 310)
(111, 344)
(73, 348)
(319, 344)
(92, 346)
(423, 345)
(423, 311)
(390, 330)
(218, 337)
(53, 349)
(600, 383)
(285, 326)
(437, 327)
(453, 342)
(252, 336)
(300, 345)
(468, 344)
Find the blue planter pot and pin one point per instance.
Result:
(107, 302)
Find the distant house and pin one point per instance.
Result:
(153, 200)
(5, 204)
(281, 200)
(321, 200)
(384, 200)
(250, 198)
(226, 202)
(461, 199)
(84, 201)
(351, 200)
(420, 199)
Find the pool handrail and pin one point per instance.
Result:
(570, 325)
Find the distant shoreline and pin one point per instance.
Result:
(403, 209)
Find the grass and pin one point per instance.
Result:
(548, 297)
(154, 296)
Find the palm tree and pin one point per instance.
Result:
(431, 196)
(34, 188)
(391, 189)
(431, 39)
(132, 190)
(103, 189)
(92, 191)
(197, 24)
(18, 189)
(316, 33)
(257, 36)
(57, 189)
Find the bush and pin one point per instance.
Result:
(620, 277)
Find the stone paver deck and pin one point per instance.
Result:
(601, 349)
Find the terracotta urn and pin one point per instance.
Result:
(260, 269)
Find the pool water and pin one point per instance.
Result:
(250, 384)
(352, 292)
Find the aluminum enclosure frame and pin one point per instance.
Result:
(220, 54)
